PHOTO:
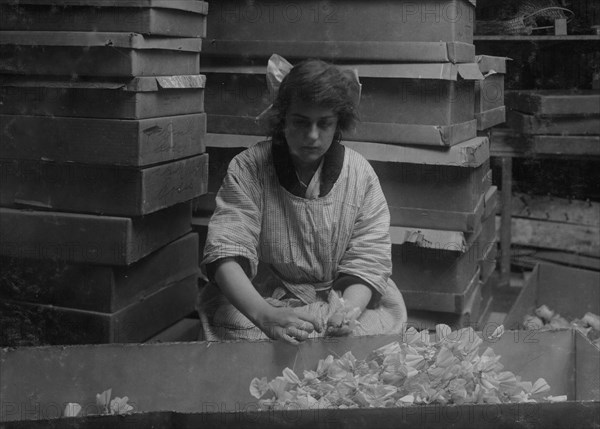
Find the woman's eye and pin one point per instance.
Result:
(300, 123)
(325, 124)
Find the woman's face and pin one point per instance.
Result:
(309, 131)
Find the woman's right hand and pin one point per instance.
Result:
(287, 324)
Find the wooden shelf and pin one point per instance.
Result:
(530, 38)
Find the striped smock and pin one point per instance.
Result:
(309, 247)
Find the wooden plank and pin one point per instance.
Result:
(471, 153)
(426, 52)
(127, 40)
(566, 145)
(141, 98)
(105, 289)
(510, 143)
(428, 135)
(97, 61)
(110, 190)
(135, 143)
(505, 226)
(552, 125)
(536, 38)
(533, 256)
(556, 209)
(427, 21)
(82, 238)
(552, 102)
(581, 239)
(488, 262)
(181, 19)
(132, 324)
(195, 6)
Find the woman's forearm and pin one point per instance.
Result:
(238, 289)
(357, 295)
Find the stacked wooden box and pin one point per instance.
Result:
(555, 117)
(102, 150)
(418, 127)
(489, 92)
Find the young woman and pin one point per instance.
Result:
(312, 211)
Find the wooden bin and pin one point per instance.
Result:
(137, 98)
(176, 385)
(65, 53)
(489, 92)
(85, 238)
(571, 292)
(379, 30)
(102, 189)
(183, 18)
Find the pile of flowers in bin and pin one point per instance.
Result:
(448, 370)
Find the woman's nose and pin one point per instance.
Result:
(313, 132)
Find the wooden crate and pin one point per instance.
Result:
(435, 187)
(101, 288)
(419, 104)
(552, 102)
(96, 54)
(101, 189)
(571, 292)
(443, 276)
(199, 388)
(84, 238)
(489, 92)
(133, 324)
(465, 221)
(548, 125)
(134, 143)
(472, 312)
(137, 98)
(184, 18)
(380, 30)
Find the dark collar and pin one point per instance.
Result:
(286, 173)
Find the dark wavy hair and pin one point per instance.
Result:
(318, 82)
